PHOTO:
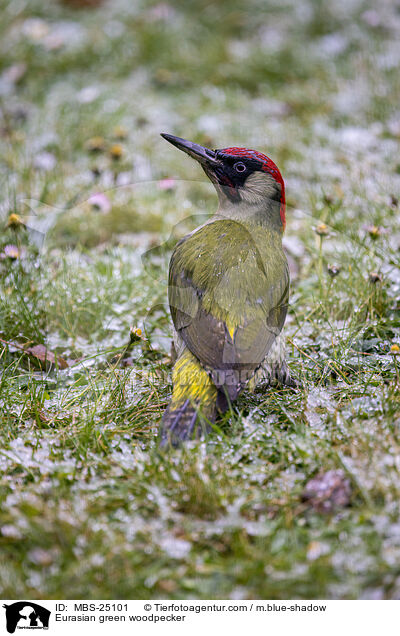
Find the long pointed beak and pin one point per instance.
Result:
(203, 155)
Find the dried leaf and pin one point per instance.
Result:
(41, 353)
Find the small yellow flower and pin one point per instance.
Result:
(374, 231)
(95, 144)
(322, 229)
(12, 252)
(14, 221)
(18, 136)
(206, 140)
(163, 76)
(120, 132)
(116, 151)
(395, 349)
(135, 334)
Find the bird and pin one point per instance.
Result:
(228, 292)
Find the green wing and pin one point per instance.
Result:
(228, 295)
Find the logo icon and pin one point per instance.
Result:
(26, 615)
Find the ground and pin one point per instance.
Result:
(89, 507)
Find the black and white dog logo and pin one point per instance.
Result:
(26, 615)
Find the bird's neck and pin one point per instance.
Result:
(265, 214)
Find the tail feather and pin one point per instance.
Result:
(193, 404)
(184, 423)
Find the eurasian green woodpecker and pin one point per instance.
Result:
(228, 292)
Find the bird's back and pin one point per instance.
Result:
(228, 294)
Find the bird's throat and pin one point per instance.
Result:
(266, 213)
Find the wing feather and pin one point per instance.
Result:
(228, 295)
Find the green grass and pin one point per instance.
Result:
(89, 508)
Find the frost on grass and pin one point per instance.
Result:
(87, 502)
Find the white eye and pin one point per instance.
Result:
(239, 167)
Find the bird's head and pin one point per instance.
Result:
(242, 177)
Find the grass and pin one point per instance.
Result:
(89, 508)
